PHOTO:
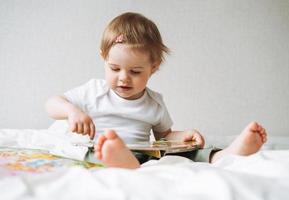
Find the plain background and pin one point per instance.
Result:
(229, 61)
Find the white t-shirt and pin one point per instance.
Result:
(133, 120)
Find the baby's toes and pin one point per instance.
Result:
(259, 128)
(253, 126)
(101, 139)
(97, 147)
(264, 133)
(263, 137)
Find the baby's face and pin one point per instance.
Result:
(127, 71)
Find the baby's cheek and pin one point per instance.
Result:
(110, 80)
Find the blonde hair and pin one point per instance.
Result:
(136, 30)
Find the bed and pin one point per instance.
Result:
(264, 175)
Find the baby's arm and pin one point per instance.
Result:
(185, 136)
(58, 107)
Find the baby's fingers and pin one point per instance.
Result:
(199, 140)
(92, 131)
(80, 128)
(73, 127)
(86, 129)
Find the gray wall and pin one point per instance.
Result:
(229, 63)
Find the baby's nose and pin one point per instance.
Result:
(123, 77)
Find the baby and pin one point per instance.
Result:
(133, 50)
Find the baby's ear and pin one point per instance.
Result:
(101, 53)
(155, 67)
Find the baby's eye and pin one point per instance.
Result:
(114, 69)
(135, 72)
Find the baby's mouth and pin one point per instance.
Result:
(125, 88)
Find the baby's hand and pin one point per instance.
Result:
(81, 123)
(194, 135)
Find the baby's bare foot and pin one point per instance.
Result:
(112, 151)
(248, 142)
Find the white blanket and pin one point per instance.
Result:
(264, 175)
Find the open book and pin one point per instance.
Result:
(162, 147)
(155, 148)
(21, 161)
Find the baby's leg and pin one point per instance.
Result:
(112, 151)
(248, 142)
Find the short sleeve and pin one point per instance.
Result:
(84, 95)
(165, 122)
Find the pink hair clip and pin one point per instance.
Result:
(119, 39)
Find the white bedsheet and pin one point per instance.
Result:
(264, 175)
